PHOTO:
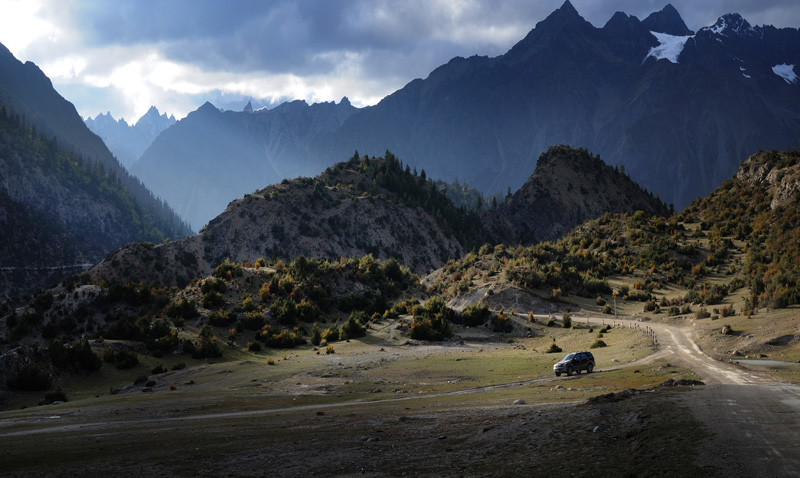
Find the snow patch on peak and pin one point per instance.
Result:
(670, 47)
(730, 23)
(786, 72)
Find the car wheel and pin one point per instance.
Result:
(589, 368)
(558, 374)
(569, 371)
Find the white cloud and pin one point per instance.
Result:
(22, 23)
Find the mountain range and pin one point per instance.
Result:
(679, 109)
(128, 142)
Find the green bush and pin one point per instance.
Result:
(52, 396)
(567, 320)
(702, 313)
(354, 328)
(184, 309)
(212, 299)
(252, 321)
(331, 334)
(475, 315)
(597, 344)
(77, 356)
(221, 318)
(502, 323)
(122, 359)
(316, 336)
(554, 349)
(29, 378)
(208, 348)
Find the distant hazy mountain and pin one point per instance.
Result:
(212, 157)
(128, 142)
(64, 199)
(678, 109)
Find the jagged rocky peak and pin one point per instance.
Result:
(248, 108)
(731, 24)
(668, 21)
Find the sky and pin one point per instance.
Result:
(123, 56)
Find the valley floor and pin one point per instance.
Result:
(484, 406)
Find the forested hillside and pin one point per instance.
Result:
(60, 212)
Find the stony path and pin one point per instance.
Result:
(755, 420)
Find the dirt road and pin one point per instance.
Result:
(755, 420)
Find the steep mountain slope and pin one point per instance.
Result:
(128, 142)
(211, 157)
(27, 91)
(568, 187)
(65, 201)
(678, 109)
(58, 212)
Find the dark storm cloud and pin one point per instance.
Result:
(309, 36)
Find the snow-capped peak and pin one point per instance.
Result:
(730, 23)
(670, 47)
(786, 72)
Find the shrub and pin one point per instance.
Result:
(212, 299)
(329, 350)
(29, 378)
(220, 318)
(54, 396)
(77, 356)
(184, 309)
(254, 346)
(251, 321)
(179, 366)
(502, 323)
(702, 313)
(554, 349)
(727, 330)
(353, 328)
(598, 344)
(567, 320)
(331, 334)
(158, 369)
(600, 301)
(316, 336)
(125, 359)
(228, 270)
(209, 348)
(475, 315)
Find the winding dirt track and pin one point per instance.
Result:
(755, 420)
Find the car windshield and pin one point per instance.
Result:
(568, 357)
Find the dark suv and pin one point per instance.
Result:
(575, 362)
